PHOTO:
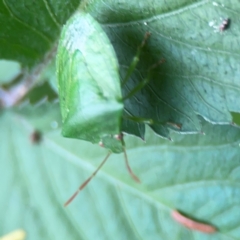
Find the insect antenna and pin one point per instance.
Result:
(145, 81)
(83, 185)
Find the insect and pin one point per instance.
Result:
(89, 86)
(189, 223)
(225, 24)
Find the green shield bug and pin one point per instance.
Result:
(89, 86)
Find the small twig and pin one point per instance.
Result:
(17, 92)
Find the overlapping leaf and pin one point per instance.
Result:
(200, 75)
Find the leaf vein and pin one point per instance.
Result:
(203, 100)
(130, 222)
(43, 36)
(51, 14)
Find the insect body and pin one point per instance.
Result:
(89, 84)
(89, 87)
(225, 24)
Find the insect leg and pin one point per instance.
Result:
(144, 82)
(83, 185)
(120, 138)
(129, 168)
(150, 121)
(135, 59)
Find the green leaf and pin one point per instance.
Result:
(196, 174)
(200, 75)
(42, 92)
(29, 29)
(8, 71)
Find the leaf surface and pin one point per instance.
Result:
(200, 73)
(29, 29)
(196, 174)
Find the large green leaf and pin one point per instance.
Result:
(29, 29)
(197, 174)
(201, 73)
(199, 77)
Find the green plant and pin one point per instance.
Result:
(197, 174)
